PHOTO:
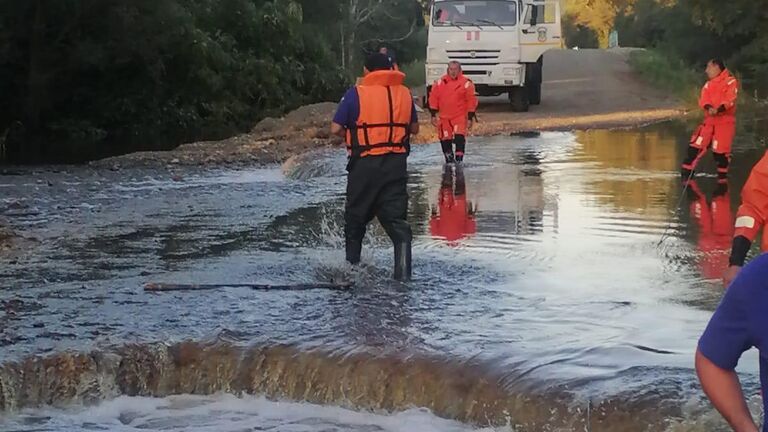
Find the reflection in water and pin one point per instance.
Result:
(454, 217)
(555, 295)
(714, 221)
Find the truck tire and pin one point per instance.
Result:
(518, 99)
(533, 78)
(534, 93)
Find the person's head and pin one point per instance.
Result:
(454, 69)
(383, 50)
(715, 67)
(376, 62)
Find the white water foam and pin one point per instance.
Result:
(224, 413)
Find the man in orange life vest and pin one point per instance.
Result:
(455, 217)
(718, 100)
(750, 218)
(377, 118)
(453, 103)
(715, 223)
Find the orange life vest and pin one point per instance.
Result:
(386, 106)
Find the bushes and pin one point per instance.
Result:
(84, 79)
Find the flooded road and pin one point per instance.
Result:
(541, 298)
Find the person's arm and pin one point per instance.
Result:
(337, 129)
(723, 389)
(344, 111)
(414, 127)
(471, 101)
(434, 101)
(731, 94)
(748, 224)
(731, 332)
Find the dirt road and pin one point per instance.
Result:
(582, 89)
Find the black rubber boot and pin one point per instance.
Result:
(403, 262)
(449, 158)
(354, 250)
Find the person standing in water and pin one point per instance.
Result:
(718, 100)
(453, 105)
(377, 118)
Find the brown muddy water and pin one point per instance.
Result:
(541, 301)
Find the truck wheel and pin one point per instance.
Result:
(518, 98)
(534, 93)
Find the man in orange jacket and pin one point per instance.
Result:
(750, 218)
(454, 219)
(377, 118)
(453, 103)
(718, 100)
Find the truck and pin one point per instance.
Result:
(499, 43)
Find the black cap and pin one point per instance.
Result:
(377, 61)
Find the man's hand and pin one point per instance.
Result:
(712, 111)
(470, 123)
(730, 275)
(338, 130)
(435, 121)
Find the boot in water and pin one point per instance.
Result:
(403, 262)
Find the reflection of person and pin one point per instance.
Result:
(739, 324)
(750, 218)
(718, 100)
(454, 218)
(715, 223)
(377, 118)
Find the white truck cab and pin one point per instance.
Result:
(499, 43)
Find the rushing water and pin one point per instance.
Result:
(542, 299)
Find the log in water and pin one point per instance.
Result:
(163, 287)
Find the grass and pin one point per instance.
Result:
(667, 73)
(414, 74)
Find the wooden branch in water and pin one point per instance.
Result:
(163, 287)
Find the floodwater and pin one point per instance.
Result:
(542, 300)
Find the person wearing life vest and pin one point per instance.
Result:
(715, 222)
(453, 104)
(750, 218)
(377, 118)
(454, 217)
(718, 100)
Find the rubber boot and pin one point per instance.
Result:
(403, 262)
(354, 250)
(449, 158)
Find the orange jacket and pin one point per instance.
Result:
(453, 98)
(720, 93)
(385, 115)
(753, 211)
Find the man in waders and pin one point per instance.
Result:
(718, 100)
(750, 218)
(377, 118)
(453, 104)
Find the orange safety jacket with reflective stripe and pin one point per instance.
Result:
(720, 93)
(386, 107)
(753, 212)
(453, 98)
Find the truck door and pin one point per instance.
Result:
(540, 30)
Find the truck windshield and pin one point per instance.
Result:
(479, 12)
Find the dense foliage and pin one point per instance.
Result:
(691, 30)
(88, 78)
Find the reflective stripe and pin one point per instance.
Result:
(745, 222)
